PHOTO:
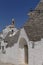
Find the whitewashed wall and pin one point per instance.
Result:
(15, 55)
(11, 55)
(36, 53)
(21, 56)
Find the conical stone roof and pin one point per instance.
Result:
(41, 0)
(34, 25)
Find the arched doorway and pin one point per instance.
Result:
(23, 45)
(26, 53)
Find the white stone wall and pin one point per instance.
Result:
(21, 54)
(15, 55)
(11, 55)
(36, 53)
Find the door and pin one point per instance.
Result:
(26, 53)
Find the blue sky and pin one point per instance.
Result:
(16, 9)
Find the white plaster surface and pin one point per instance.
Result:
(36, 54)
(21, 50)
(11, 55)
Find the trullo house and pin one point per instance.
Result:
(25, 45)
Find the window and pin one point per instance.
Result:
(32, 44)
(12, 31)
(3, 51)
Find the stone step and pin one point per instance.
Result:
(2, 63)
(23, 64)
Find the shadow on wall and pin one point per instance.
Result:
(22, 42)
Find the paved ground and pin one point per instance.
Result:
(5, 63)
(10, 64)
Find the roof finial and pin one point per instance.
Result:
(13, 22)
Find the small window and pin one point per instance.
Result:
(3, 51)
(32, 44)
(12, 31)
(2, 47)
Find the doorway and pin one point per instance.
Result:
(24, 50)
(26, 53)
